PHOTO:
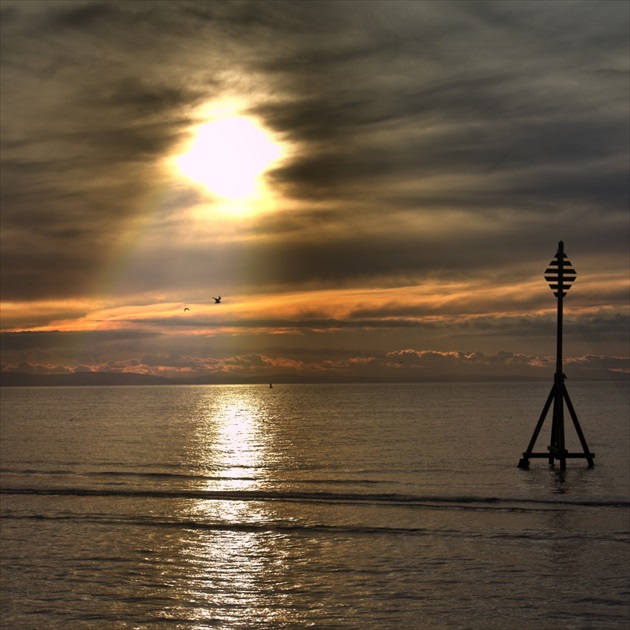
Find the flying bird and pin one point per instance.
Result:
(217, 300)
(186, 309)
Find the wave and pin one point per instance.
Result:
(388, 499)
(125, 474)
(301, 528)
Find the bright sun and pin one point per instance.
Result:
(228, 156)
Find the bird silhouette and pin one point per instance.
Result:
(217, 300)
(186, 309)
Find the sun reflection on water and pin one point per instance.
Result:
(233, 447)
(241, 443)
(230, 552)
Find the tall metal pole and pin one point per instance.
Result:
(557, 448)
(560, 298)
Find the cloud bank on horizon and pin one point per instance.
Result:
(434, 155)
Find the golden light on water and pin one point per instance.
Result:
(232, 440)
(241, 443)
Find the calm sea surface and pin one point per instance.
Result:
(311, 506)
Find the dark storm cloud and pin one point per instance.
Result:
(509, 113)
(31, 340)
(512, 253)
(84, 119)
(495, 92)
(607, 329)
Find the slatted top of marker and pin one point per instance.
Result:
(560, 274)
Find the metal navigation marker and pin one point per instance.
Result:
(560, 276)
(560, 273)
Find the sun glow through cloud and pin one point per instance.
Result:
(228, 157)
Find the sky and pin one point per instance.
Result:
(373, 188)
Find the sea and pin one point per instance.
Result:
(363, 506)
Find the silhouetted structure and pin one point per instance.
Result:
(560, 275)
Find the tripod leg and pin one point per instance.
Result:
(578, 428)
(557, 448)
(524, 462)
